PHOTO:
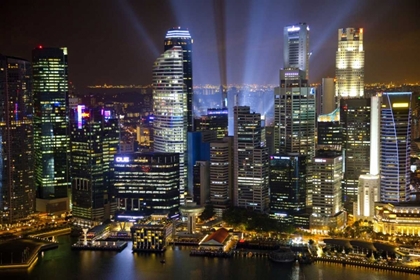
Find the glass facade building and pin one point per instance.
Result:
(51, 137)
(355, 122)
(180, 37)
(147, 182)
(94, 141)
(350, 63)
(287, 185)
(395, 146)
(17, 191)
(170, 109)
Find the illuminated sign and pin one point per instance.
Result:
(85, 115)
(122, 159)
(320, 160)
(400, 105)
(293, 28)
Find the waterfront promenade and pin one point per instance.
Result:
(22, 252)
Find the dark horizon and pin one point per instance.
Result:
(116, 42)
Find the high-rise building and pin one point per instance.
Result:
(327, 171)
(216, 119)
(250, 161)
(350, 63)
(147, 182)
(355, 123)
(287, 186)
(395, 146)
(51, 138)
(330, 136)
(325, 99)
(201, 182)
(180, 37)
(369, 184)
(294, 115)
(296, 47)
(170, 110)
(94, 139)
(221, 174)
(17, 191)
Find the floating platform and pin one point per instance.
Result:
(117, 246)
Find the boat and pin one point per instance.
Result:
(282, 255)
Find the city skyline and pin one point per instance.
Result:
(119, 44)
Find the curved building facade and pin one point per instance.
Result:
(395, 146)
(170, 109)
(180, 37)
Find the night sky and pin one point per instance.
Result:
(117, 41)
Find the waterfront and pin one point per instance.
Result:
(63, 263)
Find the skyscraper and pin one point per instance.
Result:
(395, 146)
(170, 109)
(221, 174)
(178, 36)
(350, 63)
(17, 192)
(296, 47)
(294, 115)
(94, 139)
(250, 161)
(147, 182)
(51, 139)
(355, 123)
(287, 186)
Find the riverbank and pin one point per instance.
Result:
(345, 262)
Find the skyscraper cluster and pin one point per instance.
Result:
(331, 151)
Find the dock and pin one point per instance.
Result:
(117, 246)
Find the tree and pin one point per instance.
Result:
(208, 212)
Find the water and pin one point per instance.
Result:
(63, 264)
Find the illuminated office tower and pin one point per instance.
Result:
(221, 174)
(355, 123)
(94, 139)
(294, 118)
(17, 191)
(330, 136)
(350, 63)
(250, 161)
(147, 183)
(170, 110)
(296, 47)
(51, 139)
(395, 146)
(326, 206)
(178, 36)
(294, 115)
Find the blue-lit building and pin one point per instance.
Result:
(395, 149)
(17, 191)
(198, 150)
(51, 137)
